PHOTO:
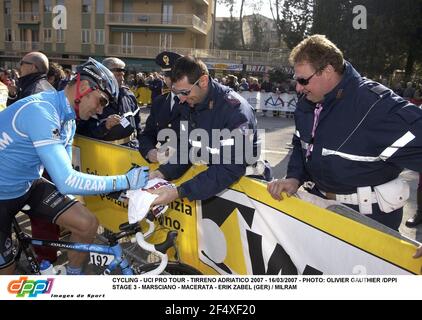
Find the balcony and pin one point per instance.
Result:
(25, 46)
(28, 17)
(244, 57)
(190, 21)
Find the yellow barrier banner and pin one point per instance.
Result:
(244, 231)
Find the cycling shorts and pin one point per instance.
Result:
(42, 200)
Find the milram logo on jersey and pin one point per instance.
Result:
(5, 141)
(85, 184)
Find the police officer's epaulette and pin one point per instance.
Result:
(231, 100)
(166, 91)
(376, 88)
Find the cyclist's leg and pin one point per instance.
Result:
(83, 225)
(8, 209)
(48, 203)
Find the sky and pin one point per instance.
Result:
(224, 12)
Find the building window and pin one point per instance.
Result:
(99, 36)
(60, 36)
(127, 42)
(48, 6)
(47, 35)
(7, 7)
(86, 6)
(165, 41)
(8, 35)
(99, 7)
(86, 36)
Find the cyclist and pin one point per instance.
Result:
(37, 132)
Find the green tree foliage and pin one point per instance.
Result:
(392, 40)
(229, 36)
(293, 19)
(258, 42)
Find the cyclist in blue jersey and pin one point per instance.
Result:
(36, 133)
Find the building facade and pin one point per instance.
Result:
(69, 31)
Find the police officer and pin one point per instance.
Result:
(353, 136)
(120, 122)
(164, 112)
(205, 105)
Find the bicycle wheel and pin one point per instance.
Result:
(173, 268)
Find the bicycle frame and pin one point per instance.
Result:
(116, 251)
(113, 248)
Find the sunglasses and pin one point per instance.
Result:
(118, 70)
(305, 81)
(22, 62)
(184, 92)
(103, 101)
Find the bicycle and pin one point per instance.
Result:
(123, 258)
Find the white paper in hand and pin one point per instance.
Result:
(140, 200)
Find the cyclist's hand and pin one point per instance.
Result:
(137, 177)
(276, 187)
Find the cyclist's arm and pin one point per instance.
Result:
(40, 123)
(69, 181)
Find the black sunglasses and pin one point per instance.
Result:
(24, 62)
(184, 92)
(118, 70)
(103, 100)
(305, 81)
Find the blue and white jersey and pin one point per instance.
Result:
(38, 131)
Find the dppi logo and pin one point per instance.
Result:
(32, 288)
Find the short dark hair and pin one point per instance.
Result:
(190, 67)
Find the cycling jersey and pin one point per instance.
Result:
(37, 132)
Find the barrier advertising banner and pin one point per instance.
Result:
(244, 231)
(285, 102)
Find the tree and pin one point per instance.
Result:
(391, 41)
(229, 36)
(258, 42)
(293, 19)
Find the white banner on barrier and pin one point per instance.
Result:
(285, 102)
(238, 235)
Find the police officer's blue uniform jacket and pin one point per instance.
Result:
(222, 109)
(127, 106)
(162, 116)
(38, 131)
(365, 136)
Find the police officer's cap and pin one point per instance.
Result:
(166, 60)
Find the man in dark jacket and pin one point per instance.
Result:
(33, 69)
(218, 128)
(120, 122)
(353, 136)
(164, 112)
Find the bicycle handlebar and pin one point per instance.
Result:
(159, 249)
